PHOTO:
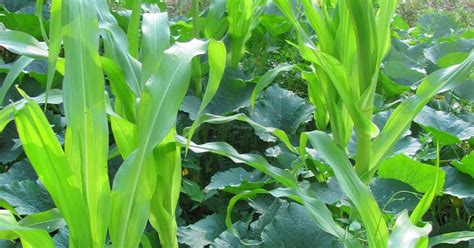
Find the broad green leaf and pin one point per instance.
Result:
(401, 73)
(236, 180)
(27, 197)
(19, 171)
(436, 54)
(350, 183)
(406, 234)
(458, 184)
(445, 127)
(281, 109)
(393, 196)
(418, 175)
(45, 152)
(403, 115)
(87, 136)
(49, 221)
(29, 237)
(203, 232)
(451, 238)
(292, 227)
(24, 44)
(14, 72)
(135, 181)
(267, 79)
(466, 165)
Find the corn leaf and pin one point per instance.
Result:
(14, 72)
(84, 103)
(156, 39)
(406, 234)
(135, 181)
(167, 158)
(451, 238)
(51, 165)
(30, 237)
(24, 44)
(358, 193)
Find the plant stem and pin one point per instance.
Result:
(133, 28)
(196, 62)
(362, 153)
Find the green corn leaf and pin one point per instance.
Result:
(406, 234)
(55, 38)
(401, 118)
(167, 158)
(243, 17)
(49, 221)
(216, 26)
(7, 113)
(133, 31)
(156, 39)
(217, 60)
(135, 181)
(24, 44)
(30, 237)
(116, 46)
(243, 195)
(424, 205)
(125, 103)
(14, 72)
(451, 238)
(267, 78)
(358, 193)
(45, 152)
(87, 136)
(216, 119)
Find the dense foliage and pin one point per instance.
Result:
(236, 123)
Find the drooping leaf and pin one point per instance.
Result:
(49, 221)
(405, 233)
(30, 237)
(451, 238)
(24, 44)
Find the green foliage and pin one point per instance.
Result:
(239, 124)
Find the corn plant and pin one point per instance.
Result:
(352, 42)
(147, 88)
